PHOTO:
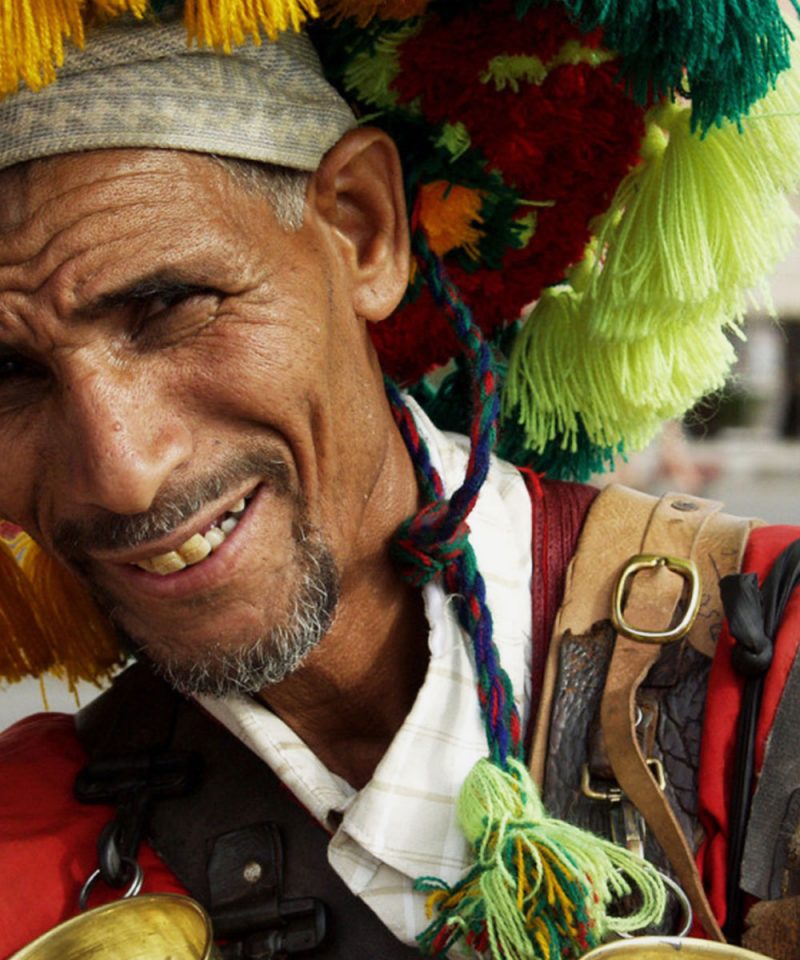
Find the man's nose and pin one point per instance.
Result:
(124, 442)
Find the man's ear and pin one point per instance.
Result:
(358, 191)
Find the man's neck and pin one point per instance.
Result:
(348, 702)
(351, 696)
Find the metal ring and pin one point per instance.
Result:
(683, 900)
(133, 888)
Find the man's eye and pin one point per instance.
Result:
(16, 367)
(170, 317)
(21, 381)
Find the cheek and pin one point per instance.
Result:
(269, 367)
(28, 468)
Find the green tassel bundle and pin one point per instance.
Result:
(540, 888)
(726, 54)
(642, 329)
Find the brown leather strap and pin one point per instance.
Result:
(620, 524)
(673, 530)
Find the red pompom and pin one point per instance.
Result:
(563, 144)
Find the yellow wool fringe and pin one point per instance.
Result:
(48, 622)
(107, 9)
(32, 34)
(223, 24)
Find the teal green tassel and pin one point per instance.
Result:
(731, 50)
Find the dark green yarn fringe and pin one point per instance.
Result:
(447, 404)
(733, 51)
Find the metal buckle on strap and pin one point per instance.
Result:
(614, 793)
(648, 561)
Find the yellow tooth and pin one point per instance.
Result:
(145, 565)
(195, 549)
(167, 563)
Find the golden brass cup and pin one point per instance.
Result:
(661, 948)
(150, 927)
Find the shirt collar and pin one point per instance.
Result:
(405, 815)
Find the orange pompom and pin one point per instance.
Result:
(448, 213)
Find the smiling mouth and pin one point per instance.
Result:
(199, 545)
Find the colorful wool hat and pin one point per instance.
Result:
(594, 190)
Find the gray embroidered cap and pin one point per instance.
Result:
(139, 85)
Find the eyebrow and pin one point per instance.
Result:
(159, 284)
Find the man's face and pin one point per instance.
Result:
(167, 351)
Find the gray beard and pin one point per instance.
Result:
(260, 660)
(270, 658)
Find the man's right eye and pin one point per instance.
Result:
(21, 379)
(14, 365)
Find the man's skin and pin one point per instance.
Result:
(117, 397)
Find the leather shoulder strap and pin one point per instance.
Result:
(622, 524)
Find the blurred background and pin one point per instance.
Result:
(742, 447)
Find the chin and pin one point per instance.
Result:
(256, 657)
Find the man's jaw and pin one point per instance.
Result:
(256, 657)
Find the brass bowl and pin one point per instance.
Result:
(150, 927)
(676, 948)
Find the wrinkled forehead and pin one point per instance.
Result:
(139, 85)
(65, 187)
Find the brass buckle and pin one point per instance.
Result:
(614, 794)
(648, 561)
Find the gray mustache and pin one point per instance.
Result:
(111, 531)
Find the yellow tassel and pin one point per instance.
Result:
(48, 622)
(24, 645)
(32, 34)
(82, 643)
(107, 9)
(223, 24)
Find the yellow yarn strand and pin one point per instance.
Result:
(82, 641)
(24, 646)
(223, 24)
(32, 34)
(48, 622)
(115, 8)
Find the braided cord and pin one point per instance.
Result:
(435, 541)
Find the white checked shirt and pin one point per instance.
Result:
(402, 824)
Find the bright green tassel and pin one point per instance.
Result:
(698, 222)
(565, 380)
(370, 72)
(643, 328)
(540, 887)
(730, 51)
